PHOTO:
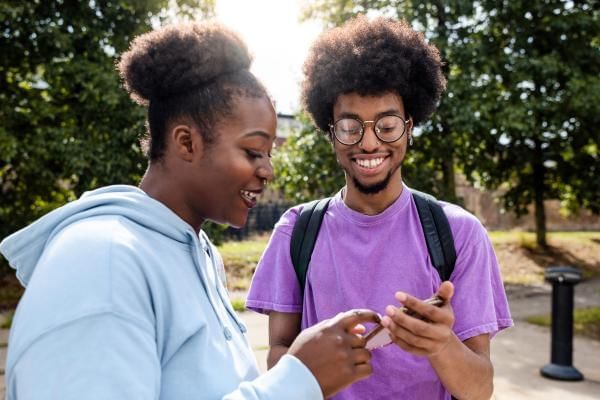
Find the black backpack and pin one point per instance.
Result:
(436, 228)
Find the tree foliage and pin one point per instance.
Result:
(535, 90)
(305, 165)
(521, 109)
(67, 125)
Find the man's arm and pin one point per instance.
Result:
(464, 368)
(283, 330)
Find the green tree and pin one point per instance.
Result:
(520, 112)
(535, 80)
(67, 125)
(305, 165)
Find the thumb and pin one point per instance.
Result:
(446, 290)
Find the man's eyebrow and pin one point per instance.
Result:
(391, 111)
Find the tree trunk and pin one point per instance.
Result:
(448, 170)
(449, 174)
(538, 187)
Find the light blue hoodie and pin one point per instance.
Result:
(125, 301)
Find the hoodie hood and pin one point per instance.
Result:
(24, 248)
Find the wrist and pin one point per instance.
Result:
(444, 350)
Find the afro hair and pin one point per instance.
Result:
(372, 58)
(191, 69)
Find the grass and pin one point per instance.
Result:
(498, 237)
(240, 259)
(521, 262)
(238, 304)
(7, 319)
(586, 321)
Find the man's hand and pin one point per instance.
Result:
(427, 333)
(334, 351)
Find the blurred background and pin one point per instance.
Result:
(515, 139)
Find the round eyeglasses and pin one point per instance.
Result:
(387, 128)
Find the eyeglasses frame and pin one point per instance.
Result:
(363, 127)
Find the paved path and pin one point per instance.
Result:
(517, 353)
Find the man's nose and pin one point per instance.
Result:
(369, 140)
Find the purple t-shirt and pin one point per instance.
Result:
(360, 261)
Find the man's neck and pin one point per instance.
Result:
(372, 204)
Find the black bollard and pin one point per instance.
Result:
(563, 280)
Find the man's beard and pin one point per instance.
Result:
(375, 187)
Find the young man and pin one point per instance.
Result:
(367, 84)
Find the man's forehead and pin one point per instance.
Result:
(356, 103)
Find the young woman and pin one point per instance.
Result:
(125, 296)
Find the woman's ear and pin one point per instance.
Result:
(186, 142)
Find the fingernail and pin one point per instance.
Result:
(401, 296)
(385, 321)
(390, 310)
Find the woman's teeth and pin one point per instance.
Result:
(372, 163)
(249, 195)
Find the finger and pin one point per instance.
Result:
(400, 324)
(415, 339)
(356, 341)
(410, 348)
(361, 356)
(446, 291)
(362, 371)
(358, 329)
(349, 319)
(413, 305)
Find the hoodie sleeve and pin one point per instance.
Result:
(289, 379)
(116, 359)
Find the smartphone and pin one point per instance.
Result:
(379, 336)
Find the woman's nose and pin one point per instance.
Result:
(266, 171)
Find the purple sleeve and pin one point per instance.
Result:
(479, 301)
(274, 286)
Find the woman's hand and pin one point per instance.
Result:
(334, 351)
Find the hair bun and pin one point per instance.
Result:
(176, 58)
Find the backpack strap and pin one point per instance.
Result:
(438, 234)
(304, 236)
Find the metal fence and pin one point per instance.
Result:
(261, 219)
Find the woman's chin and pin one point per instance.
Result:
(238, 222)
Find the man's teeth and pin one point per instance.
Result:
(249, 195)
(372, 163)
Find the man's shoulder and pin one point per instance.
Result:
(290, 216)
(457, 214)
(467, 229)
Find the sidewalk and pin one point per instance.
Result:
(518, 353)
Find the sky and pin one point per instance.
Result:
(277, 40)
